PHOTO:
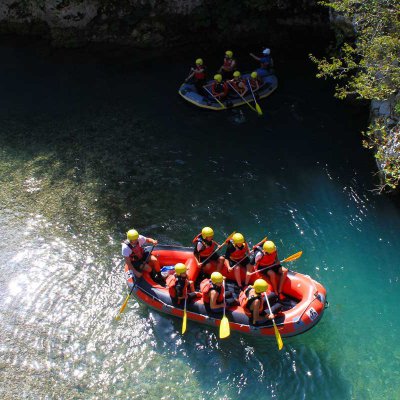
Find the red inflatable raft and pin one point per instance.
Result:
(303, 306)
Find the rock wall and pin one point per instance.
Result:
(153, 23)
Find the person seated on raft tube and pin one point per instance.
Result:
(219, 89)
(266, 256)
(238, 84)
(252, 300)
(236, 251)
(198, 75)
(255, 81)
(228, 66)
(266, 62)
(214, 295)
(135, 254)
(204, 247)
(180, 287)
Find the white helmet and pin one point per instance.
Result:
(266, 51)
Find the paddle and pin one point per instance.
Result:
(184, 321)
(224, 328)
(251, 251)
(214, 97)
(242, 97)
(219, 247)
(290, 258)
(277, 334)
(121, 310)
(258, 108)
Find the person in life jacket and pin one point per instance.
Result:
(266, 62)
(136, 256)
(214, 295)
(205, 248)
(219, 89)
(198, 75)
(266, 256)
(255, 82)
(238, 84)
(237, 254)
(252, 300)
(180, 287)
(228, 66)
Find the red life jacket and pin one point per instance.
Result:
(219, 88)
(171, 283)
(255, 83)
(228, 63)
(247, 297)
(239, 85)
(266, 259)
(207, 250)
(239, 253)
(199, 72)
(137, 251)
(206, 286)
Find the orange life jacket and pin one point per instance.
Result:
(239, 253)
(266, 259)
(207, 250)
(199, 72)
(246, 299)
(137, 251)
(255, 83)
(228, 63)
(239, 85)
(206, 286)
(171, 282)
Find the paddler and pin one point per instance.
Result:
(266, 62)
(252, 300)
(228, 66)
(135, 255)
(205, 248)
(267, 256)
(237, 253)
(214, 295)
(219, 89)
(254, 81)
(198, 75)
(238, 84)
(179, 285)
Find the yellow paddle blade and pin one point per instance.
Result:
(224, 328)
(184, 322)
(258, 108)
(278, 336)
(293, 257)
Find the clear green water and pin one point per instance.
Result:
(91, 148)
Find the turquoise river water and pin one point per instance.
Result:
(91, 147)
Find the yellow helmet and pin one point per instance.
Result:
(254, 75)
(216, 277)
(269, 247)
(207, 232)
(199, 61)
(132, 234)
(218, 77)
(260, 286)
(236, 74)
(180, 268)
(238, 238)
(229, 53)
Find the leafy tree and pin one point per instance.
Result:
(366, 66)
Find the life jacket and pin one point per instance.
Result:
(206, 286)
(239, 84)
(238, 253)
(199, 72)
(207, 250)
(219, 88)
(266, 259)
(171, 282)
(228, 63)
(255, 83)
(137, 251)
(246, 299)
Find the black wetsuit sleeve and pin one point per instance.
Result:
(229, 250)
